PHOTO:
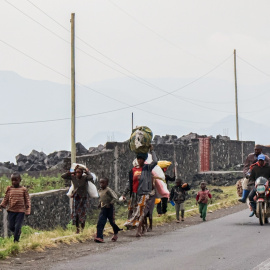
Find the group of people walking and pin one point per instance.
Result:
(142, 197)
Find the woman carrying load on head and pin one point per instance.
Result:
(139, 186)
(80, 195)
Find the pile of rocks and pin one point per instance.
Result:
(39, 161)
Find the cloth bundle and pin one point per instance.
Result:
(140, 140)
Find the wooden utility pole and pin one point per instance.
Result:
(73, 143)
(236, 98)
(132, 122)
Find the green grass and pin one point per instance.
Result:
(32, 239)
(33, 184)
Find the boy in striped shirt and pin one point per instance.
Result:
(17, 202)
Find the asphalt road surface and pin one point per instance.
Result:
(231, 242)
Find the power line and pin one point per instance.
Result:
(98, 60)
(78, 83)
(268, 75)
(36, 22)
(167, 93)
(100, 113)
(128, 106)
(261, 71)
(137, 78)
(156, 33)
(48, 67)
(48, 15)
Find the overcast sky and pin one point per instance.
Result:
(168, 44)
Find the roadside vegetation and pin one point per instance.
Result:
(33, 184)
(32, 239)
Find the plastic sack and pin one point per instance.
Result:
(158, 173)
(74, 165)
(164, 164)
(161, 189)
(70, 190)
(91, 188)
(140, 139)
(94, 177)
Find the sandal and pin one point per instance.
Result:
(98, 240)
(114, 238)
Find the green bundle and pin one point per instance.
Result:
(140, 139)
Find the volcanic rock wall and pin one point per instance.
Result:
(49, 209)
(225, 154)
(116, 161)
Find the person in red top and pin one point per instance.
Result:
(132, 188)
(140, 180)
(202, 199)
(17, 202)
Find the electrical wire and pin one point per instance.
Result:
(136, 77)
(268, 75)
(128, 106)
(156, 33)
(167, 93)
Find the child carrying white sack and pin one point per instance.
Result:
(91, 188)
(80, 178)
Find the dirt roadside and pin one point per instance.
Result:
(46, 259)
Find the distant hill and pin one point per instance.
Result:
(249, 130)
(193, 110)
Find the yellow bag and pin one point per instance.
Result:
(157, 201)
(164, 164)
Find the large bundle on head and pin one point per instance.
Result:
(140, 139)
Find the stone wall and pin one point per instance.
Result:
(185, 154)
(116, 161)
(266, 150)
(1, 222)
(49, 210)
(217, 178)
(225, 154)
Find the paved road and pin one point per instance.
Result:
(232, 242)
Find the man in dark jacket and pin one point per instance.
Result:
(260, 168)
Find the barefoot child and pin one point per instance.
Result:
(18, 201)
(107, 199)
(80, 179)
(202, 199)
